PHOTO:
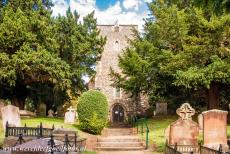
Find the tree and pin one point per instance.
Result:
(203, 60)
(79, 45)
(28, 50)
(181, 51)
(44, 56)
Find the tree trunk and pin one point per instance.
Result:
(213, 96)
(19, 102)
(19, 96)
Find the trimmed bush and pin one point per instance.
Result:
(92, 111)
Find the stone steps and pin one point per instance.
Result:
(119, 139)
(120, 148)
(120, 144)
(119, 132)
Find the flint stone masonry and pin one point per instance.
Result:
(184, 131)
(215, 128)
(116, 40)
(11, 114)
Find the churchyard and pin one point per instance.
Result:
(183, 131)
(158, 82)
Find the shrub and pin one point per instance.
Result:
(92, 111)
(94, 125)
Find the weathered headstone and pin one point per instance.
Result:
(184, 131)
(60, 111)
(50, 113)
(1, 106)
(161, 109)
(42, 109)
(215, 129)
(11, 114)
(70, 116)
(200, 122)
(26, 114)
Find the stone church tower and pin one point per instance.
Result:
(120, 105)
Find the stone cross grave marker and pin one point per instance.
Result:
(215, 129)
(185, 111)
(70, 116)
(184, 131)
(11, 114)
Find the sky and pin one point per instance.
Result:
(107, 11)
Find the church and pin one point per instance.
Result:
(120, 105)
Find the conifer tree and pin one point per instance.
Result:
(181, 51)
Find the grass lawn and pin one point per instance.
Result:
(47, 123)
(157, 126)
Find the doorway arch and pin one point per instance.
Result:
(118, 113)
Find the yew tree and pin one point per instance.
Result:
(182, 50)
(80, 45)
(28, 50)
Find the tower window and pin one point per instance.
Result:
(116, 29)
(116, 46)
(118, 92)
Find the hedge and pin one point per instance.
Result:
(92, 111)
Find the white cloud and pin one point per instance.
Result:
(131, 4)
(148, 1)
(108, 16)
(60, 7)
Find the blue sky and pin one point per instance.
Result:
(107, 11)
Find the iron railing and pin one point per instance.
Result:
(206, 150)
(141, 127)
(191, 149)
(74, 144)
(28, 131)
(171, 150)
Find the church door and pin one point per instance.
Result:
(118, 114)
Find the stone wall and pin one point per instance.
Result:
(117, 40)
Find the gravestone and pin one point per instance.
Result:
(70, 116)
(1, 106)
(26, 114)
(161, 109)
(50, 113)
(11, 114)
(200, 122)
(60, 111)
(184, 131)
(42, 109)
(215, 129)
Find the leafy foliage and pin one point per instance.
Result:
(93, 111)
(182, 54)
(80, 45)
(93, 125)
(40, 53)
